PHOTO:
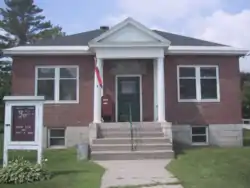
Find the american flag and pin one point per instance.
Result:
(97, 73)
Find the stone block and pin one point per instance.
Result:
(182, 134)
(76, 135)
(226, 135)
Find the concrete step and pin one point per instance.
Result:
(127, 147)
(132, 155)
(127, 124)
(127, 129)
(127, 134)
(149, 140)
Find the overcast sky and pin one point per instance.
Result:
(223, 21)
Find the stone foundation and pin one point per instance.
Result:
(76, 135)
(73, 136)
(45, 137)
(227, 135)
(182, 135)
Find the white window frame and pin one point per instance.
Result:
(206, 134)
(49, 137)
(56, 80)
(198, 83)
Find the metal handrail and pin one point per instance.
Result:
(131, 128)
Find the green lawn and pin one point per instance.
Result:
(68, 172)
(213, 167)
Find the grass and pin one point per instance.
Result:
(68, 172)
(213, 167)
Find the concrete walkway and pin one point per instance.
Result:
(137, 172)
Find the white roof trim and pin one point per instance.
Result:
(47, 50)
(134, 23)
(84, 50)
(211, 50)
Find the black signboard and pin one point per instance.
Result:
(23, 123)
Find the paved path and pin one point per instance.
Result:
(137, 172)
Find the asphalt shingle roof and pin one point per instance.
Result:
(82, 39)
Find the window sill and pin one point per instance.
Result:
(57, 147)
(199, 101)
(61, 102)
(200, 144)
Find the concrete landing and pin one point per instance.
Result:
(137, 172)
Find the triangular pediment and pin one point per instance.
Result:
(129, 31)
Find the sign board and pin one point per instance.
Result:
(23, 125)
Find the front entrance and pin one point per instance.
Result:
(128, 98)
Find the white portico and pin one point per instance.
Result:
(131, 40)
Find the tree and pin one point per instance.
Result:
(21, 22)
(245, 83)
(245, 78)
(6, 40)
(246, 103)
(23, 19)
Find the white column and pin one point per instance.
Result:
(97, 95)
(155, 91)
(161, 89)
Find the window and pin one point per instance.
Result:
(57, 84)
(56, 137)
(199, 135)
(246, 121)
(128, 87)
(198, 83)
(187, 83)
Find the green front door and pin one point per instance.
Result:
(128, 97)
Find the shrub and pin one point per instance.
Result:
(21, 171)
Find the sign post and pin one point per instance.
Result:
(23, 125)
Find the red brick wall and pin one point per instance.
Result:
(227, 111)
(60, 115)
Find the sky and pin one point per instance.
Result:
(222, 21)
